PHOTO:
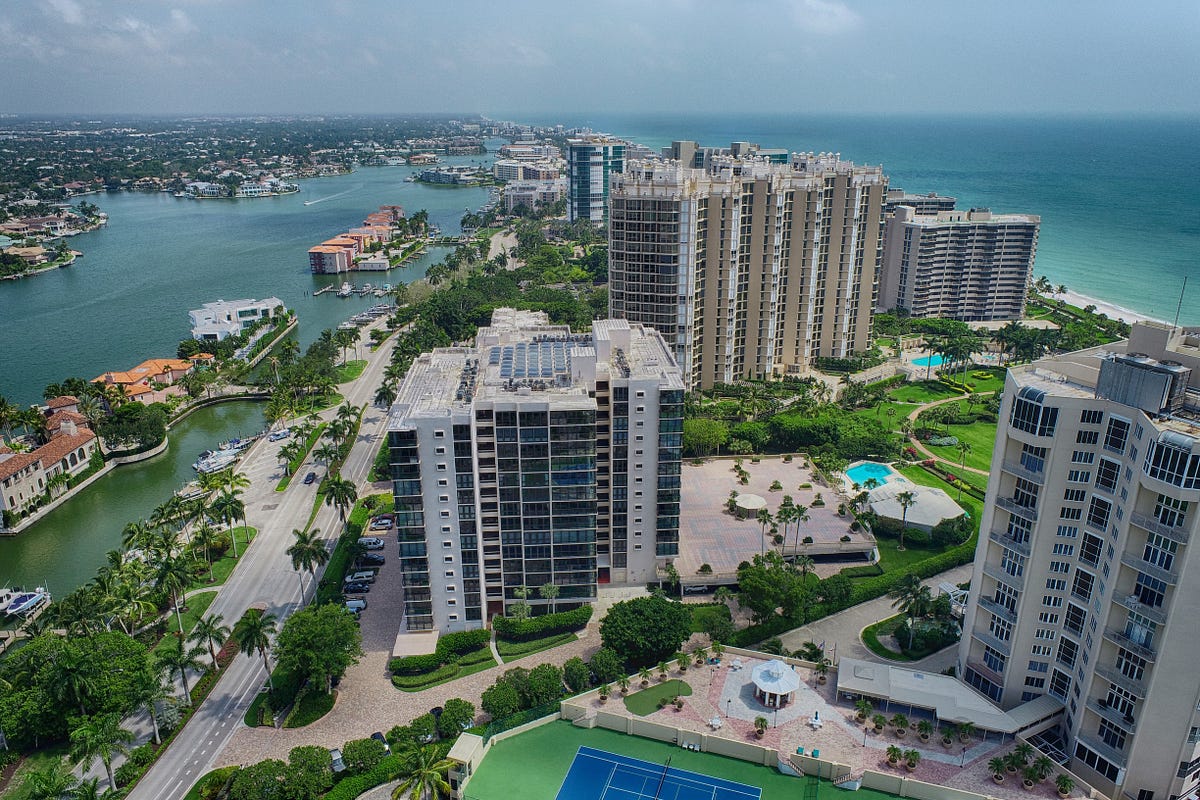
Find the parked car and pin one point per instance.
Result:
(355, 587)
(356, 604)
(370, 560)
(361, 576)
(279, 435)
(335, 756)
(371, 543)
(377, 736)
(310, 478)
(697, 589)
(381, 524)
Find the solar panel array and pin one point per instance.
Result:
(531, 360)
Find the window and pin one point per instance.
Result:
(1061, 549)
(1160, 551)
(1012, 562)
(439, 434)
(1019, 529)
(1068, 651)
(1048, 617)
(1083, 585)
(1068, 531)
(1112, 735)
(1025, 493)
(1117, 435)
(1098, 513)
(1087, 437)
(1091, 416)
(1000, 628)
(1056, 584)
(1060, 684)
(1170, 511)
(1070, 513)
(1036, 683)
(1049, 634)
(1107, 474)
(1030, 416)
(1060, 567)
(993, 659)
(1006, 597)
(1074, 618)
(1038, 666)
(1130, 665)
(1171, 459)
(1122, 701)
(1149, 591)
(1079, 476)
(1090, 548)
(1075, 495)
(1083, 457)
(1097, 762)
(1050, 601)
(1033, 458)
(1041, 650)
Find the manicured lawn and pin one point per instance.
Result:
(463, 672)
(532, 765)
(922, 392)
(511, 651)
(197, 604)
(35, 761)
(645, 702)
(254, 712)
(918, 475)
(871, 634)
(225, 565)
(350, 370)
(309, 708)
(895, 560)
(703, 615)
(981, 436)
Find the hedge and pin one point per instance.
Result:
(415, 665)
(445, 673)
(478, 657)
(520, 718)
(452, 648)
(388, 769)
(518, 649)
(463, 642)
(520, 630)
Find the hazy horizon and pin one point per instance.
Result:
(532, 58)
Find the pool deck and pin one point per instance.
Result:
(709, 534)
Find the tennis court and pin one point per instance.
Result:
(599, 775)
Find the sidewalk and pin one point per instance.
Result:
(841, 631)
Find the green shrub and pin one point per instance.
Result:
(478, 657)
(444, 673)
(462, 642)
(390, 768)
(518, 649)
(417, 665)
(310, 706)
(286, 686)
(539, 627)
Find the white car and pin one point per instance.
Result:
(356, 605)
(362, 576)
(371, 543)
(381, 524)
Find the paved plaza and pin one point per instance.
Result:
(710, 534)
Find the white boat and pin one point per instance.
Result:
(217, 461)
(6, 598)
(346, 289)
(26, 603)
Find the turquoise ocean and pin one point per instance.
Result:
(1118, 197)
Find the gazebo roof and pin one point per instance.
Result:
(775, 677)
(750, 502)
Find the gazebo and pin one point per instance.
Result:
(749, 504)
(774, 683)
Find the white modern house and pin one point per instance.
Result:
(216, 321)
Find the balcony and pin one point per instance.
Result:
(1118, 678)
(1168, 576)
(1021, 471)
(986, 671)
(1093, 742)
(1012, 544)
(1132, 603)
(992, 607)
(1132, 645)
(993, 641)
(1011, 506)
(1148, 523)
(1100, 706)
(995, 571)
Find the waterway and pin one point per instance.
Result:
(63, 550)
(127, 299)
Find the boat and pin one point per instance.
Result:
(217, 461)
(6, 597)
(26, 603)
(387, 287)
(346, 289)
(378, 292)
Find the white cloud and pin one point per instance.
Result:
(181, 21)
(69, 10)
(825, 16)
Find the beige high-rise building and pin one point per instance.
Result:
(1086, 586)
(972, 265)
(747, 268)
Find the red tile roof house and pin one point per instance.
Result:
(27, 480)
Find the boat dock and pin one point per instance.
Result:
(323, 290)
(347, 289)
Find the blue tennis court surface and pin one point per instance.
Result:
(598, 775)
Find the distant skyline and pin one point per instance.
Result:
(538, 58)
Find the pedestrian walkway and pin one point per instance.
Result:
(923, 450)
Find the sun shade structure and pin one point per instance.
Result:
(774, 683)
(749, 504)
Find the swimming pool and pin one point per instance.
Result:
(929, 361)
(864, 471)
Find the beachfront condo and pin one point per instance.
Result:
(973, 266)
(749, 268)
(537, 456)
(591, 163)
(1086, 585)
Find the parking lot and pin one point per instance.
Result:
(384, 613)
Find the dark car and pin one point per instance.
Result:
(377, 736)
(356, 588)
(310, 478)
(371, 560)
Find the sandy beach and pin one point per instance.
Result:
(1111, 309)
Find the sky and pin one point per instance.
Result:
(528, 56)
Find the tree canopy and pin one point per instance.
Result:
(646, 630)
(320, 643)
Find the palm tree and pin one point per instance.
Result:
(308, 552)
(549, 592)
(340, 493)
(204, 539)
(177, 659)
(911, 598)
(906, 500)
(209, 631)
(137, 535)
(385, 395)
(327, 453)
(148, 689)
(253, 632)
(50, 782)
(347, 414)
(100, 737)
(799, 515)
(87, 790)
(229, 508)
(73, 678)
(173, 574)
(805, 565)
(425, 775)
(763, 517)
(963, 449)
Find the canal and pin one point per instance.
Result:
(63, 551)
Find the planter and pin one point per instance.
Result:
(1027, 785)
(759, 734)
(603, 699)
(861, 717)
(998, 777)
(1064, 794)
(947, 742)
(821, 679)
(924, 737)
(910, 766)
(893, 762)
(878, 728)
(900, 733)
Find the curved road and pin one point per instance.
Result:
(264, 577)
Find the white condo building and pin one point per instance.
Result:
(216, 321)
(1086, 585)
(536, 456)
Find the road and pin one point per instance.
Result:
(265, 578)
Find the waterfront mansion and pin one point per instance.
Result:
(32, 478)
